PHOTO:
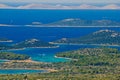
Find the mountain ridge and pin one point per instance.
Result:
(59, 6)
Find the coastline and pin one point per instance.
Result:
(84, 44)
(66, 26)
(27, 61)
(31, 48)
(19, 61)
(66, 58)
(7, 41)
(43, 47)
(17, 49)
(63, 57)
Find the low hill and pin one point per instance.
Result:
(13, 56)
(81, 22)
(31, 43)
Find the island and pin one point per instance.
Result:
(33, 43)
(76, 22)
(101, 37)
(30, 43)
(5, 40)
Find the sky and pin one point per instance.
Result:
(63, 1)
(60, 4)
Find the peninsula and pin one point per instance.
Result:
(107, 37)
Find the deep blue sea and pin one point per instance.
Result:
(26, 17)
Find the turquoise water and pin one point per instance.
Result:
(47, 54)
(45, 34)
(18, 34)
(18, 71)
(1, 60)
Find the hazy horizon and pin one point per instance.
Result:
(62, 1)
(57, 6)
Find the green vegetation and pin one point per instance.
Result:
(95, 56)
(13, 56)
(107, 37)
(85, 64)
(60, 76)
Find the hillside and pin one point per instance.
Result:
(13, 56)
(85, 64)
(99, 37)
(81, 22)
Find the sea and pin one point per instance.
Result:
(49, 34)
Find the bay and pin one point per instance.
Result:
(18, 34)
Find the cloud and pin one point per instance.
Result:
(36, 6)
(59, 6)
(5, 6)
(44, 6)
(85, 6)
(111, 6)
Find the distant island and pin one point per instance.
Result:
(72, 22)
(13, 56)
(107, 37)
(76, 22)
(5, 40)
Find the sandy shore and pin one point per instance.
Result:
(66, 58)
(29, 61)
(24, 61)
(51, 70)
